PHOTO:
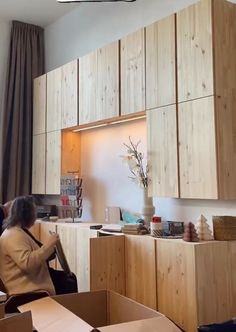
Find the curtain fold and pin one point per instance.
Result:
(26, 61)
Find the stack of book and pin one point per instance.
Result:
(135, 229)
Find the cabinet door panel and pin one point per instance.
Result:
(107, 82)
(133, 73)
(162, 151)
(39, 164)
(54, 100)
(53, 164)
(160, 63)
(39, 105)
(69, 97)
(197, 150)
(194, 51)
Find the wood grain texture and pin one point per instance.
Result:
(132, 73)
(69, 95)
(53, 163)
(45, 228)
(176, 282)
(70, 153)
(140, 267)
(224, 14)
(194, 51)
(54, 100)
(39, 164)
(39, 105)
(162, 152)
(107, 266)
(160, 63)
(197, 149)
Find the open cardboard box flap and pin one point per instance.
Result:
(17, 322)
(99, 309)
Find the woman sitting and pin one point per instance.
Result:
(23, 263)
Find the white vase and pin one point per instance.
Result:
(148, 209)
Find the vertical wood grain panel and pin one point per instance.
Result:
(176, 283)
(39, 164)
(160, 63)
(162, 151)
(140, 269)
(69, 96)
(194, 51)
(71, 148)
(54, 100)
(225, 87)
(197, 150)
(133, 73)
(39, 105)
(107, 265)
(53, 163)
(107, 82)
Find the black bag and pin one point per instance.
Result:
(229, 326)
(64, 283)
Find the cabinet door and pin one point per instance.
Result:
(69, 95)
(197, 149)
(39, 164)
(160, 63)
(141, 270)
(39, 105)
(162, 151)
(53, 164)
(133, 73)
(87, 88)
(54, 100)
(194, 51)
(107, 82)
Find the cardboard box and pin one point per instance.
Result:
(17, 322)
(104, 310)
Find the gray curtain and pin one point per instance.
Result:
(26, 61)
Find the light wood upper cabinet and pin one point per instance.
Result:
(53, 163)
(160, 63)
(99, 84)
(54, 100)
(162, 152)
(39, 164)
(69, 95)
(197, 149)
(195, 51)
(39, 105)
(132, 73)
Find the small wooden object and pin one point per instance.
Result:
(190, 234)
(203, 230)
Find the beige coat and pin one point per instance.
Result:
(23, 266)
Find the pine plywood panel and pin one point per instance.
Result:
(69, 95)
(160, 63)
(53, 163)
(232, 271)
(39, 164)
(133, 73)
(70, 153)
(87, 88)
(176, 282)
(194, 51)
(197, 151)
(213, 278)
(39, 105)
(107, 266)
(140, 267)
(107, 82)
(54, 100)
(225, 86)
(45, 229)
(162, 151)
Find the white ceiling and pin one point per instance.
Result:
(39, 12)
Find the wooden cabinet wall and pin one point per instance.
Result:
(99, 84)
(132, 73)
(54, 100)
(39, 105)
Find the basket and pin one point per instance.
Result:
(224, 228)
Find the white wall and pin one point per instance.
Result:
(106, 180)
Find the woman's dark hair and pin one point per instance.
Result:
(22, 212)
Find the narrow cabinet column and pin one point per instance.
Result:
(39, 105)
(53, 163)
(160, 63)
(133, 73)
(39, 164)
(54, 100)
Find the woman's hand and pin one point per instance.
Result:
(52, 240)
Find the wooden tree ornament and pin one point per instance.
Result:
(203, 229)
(190, 234)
